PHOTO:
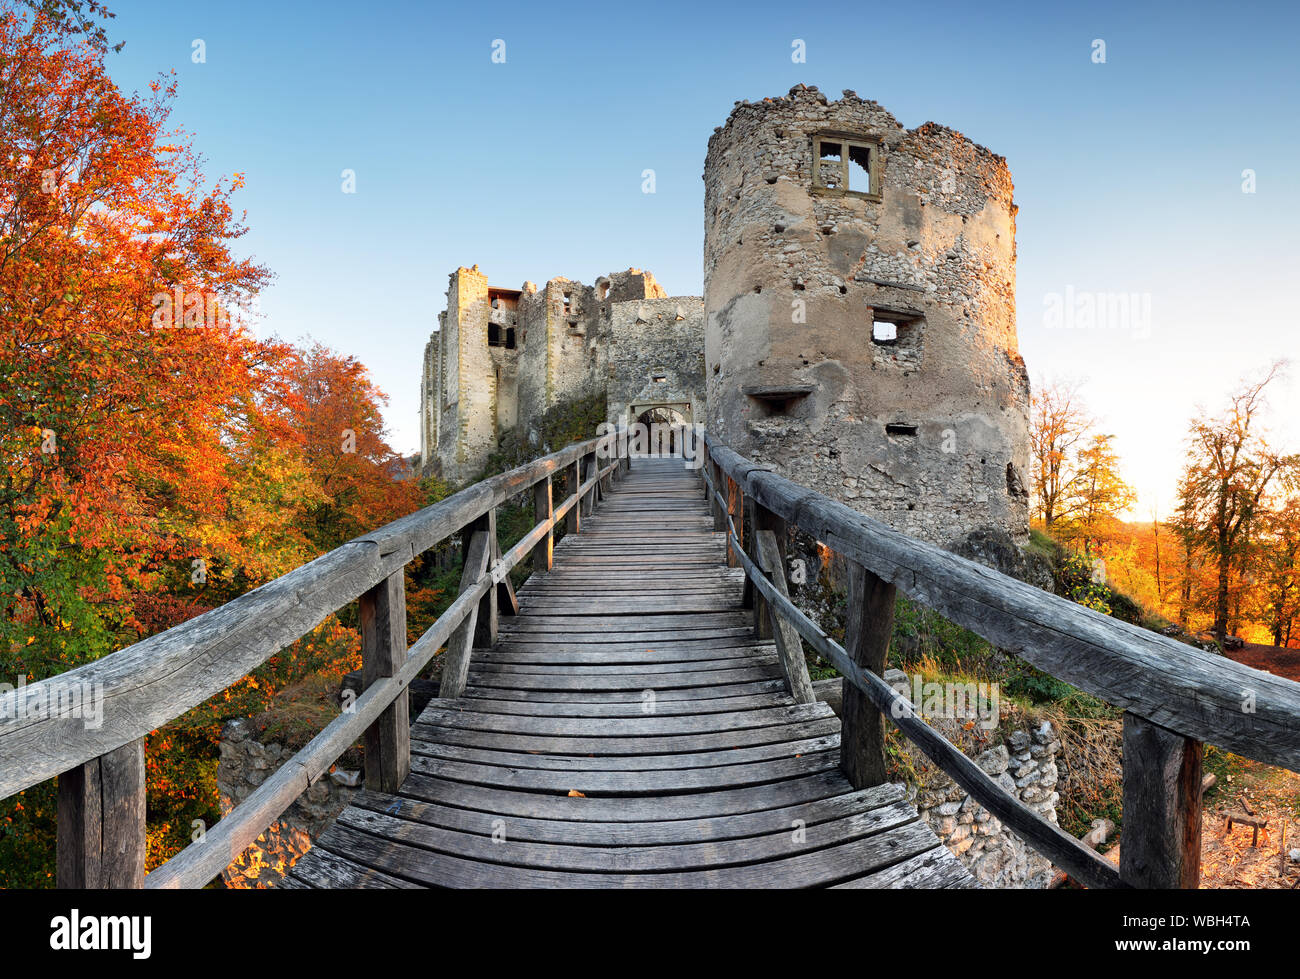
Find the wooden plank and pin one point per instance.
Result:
(626, 784)
(1161, 846)
(930, 870)
(502, 849)
(453, 713)
(319, 868)
(867, 633)
(641, 833)
(629, 763)
(101, 822)
(700, 700)
(577, 744)
(824, 866)
(383, 652)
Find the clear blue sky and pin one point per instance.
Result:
(1128, 174)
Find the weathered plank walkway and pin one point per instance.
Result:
(629, 730)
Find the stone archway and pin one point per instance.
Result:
(664, 423)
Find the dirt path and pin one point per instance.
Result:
(1272, 659)
(1227, 859)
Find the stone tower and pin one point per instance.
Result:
(859, 296)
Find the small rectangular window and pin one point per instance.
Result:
(844, 165)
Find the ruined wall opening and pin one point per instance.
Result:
(660, 430)
(896, 338)
(501, 337)
(846, 164)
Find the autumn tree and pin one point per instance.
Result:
(114, 418)
(1230, 467)
(1096, 494)
(1058, 425)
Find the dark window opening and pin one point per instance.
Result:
(501, 338)
(900, 428)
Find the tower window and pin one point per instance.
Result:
(498, 337)
(847, 165)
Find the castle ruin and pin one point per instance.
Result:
(859, 289)
(857, 331)
(501, 358)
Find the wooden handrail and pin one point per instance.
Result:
(1174, 695)
(1180, 687)
(1062, 849)
(156, 680)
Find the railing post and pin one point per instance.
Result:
(867, 632)
(1161, 847)
(543, 508)
(574, 518)
(101, 835)
(383, 654)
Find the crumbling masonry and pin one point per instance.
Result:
(857, 331)
(500, 358)
(859, 289)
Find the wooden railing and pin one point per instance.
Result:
(1174, 696)
(101, 789)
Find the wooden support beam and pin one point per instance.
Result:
(867, 633)
(589, 498)
(507, 602)
(485, 634)
(789, 647)
(1161, 845)
(383, 653)
(736, 509)
(760, 518)
(455, 668)
(101, 836)
(719, 515)
(543, 507)
(573, 481)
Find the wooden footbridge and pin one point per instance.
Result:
(629, 729)
(640, 714)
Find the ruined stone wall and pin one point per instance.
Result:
(563, 345)
(430, 396)
(245, 764)
(1025, 766)
(795, 277)
(656, 357)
